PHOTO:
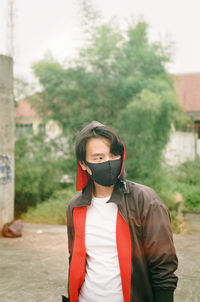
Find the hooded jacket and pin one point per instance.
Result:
(146, 253)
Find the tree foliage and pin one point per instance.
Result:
(38, 170)
(144, 125)
(120, 79)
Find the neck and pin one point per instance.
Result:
(102, 191)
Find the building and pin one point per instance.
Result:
(185, 145)
(187, 87)
(28, 121)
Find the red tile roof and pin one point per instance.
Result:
(24, 109)
(187, 87)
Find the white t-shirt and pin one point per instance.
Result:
(102, 279)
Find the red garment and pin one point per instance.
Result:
(78, 261)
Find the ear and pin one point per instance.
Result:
(83, 165)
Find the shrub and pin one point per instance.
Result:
(37, 172)
(189, 172)
(191, 196)
(51, 211)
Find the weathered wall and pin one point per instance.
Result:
(6, 141)
(181, 147)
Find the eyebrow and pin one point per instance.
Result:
(97, 154)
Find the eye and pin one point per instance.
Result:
(114, 156)
(98, 158)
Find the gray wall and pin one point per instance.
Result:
(6, 141)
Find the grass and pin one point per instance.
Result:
(51, 211)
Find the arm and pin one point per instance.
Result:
(159, 251)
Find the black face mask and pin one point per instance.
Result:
(105, 173)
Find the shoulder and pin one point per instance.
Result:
(72, 203)
(144, 197)
(140, 190)
(76, 198)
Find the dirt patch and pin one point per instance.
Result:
(33, 268)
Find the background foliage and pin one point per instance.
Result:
(38, 171)
(120, 79)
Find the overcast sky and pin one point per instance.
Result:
(54, 25)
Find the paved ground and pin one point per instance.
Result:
(188, 250)
(34, 268)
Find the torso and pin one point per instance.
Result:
(102, 279)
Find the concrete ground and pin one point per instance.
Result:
(188, 251)
(33, 268)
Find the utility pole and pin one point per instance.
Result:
(7, 124)
(10, 29)
(6, 141)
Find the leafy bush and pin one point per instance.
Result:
(51, 211)
(189, 172)
(191, 195)
(187, 182)
(37, 172)
(184, 179)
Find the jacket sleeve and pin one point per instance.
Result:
(159, 251)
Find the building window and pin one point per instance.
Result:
(42, 128)
(24, 128)
(197, 128)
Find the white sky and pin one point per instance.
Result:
(53, 25)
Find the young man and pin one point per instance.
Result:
(119, 233)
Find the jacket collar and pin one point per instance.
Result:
(86, 196)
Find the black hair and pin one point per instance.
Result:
(116, 145)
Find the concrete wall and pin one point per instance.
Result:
(6, 141)
(181, 147)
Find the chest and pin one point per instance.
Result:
(100, 227)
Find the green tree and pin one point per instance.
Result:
(120, 79)
(145, 125)
(22, 88)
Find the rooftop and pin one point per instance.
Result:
(24, 109)
(187, 87)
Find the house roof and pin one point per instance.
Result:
(24, 109)
(187, 87)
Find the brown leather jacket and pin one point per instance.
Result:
(153, 256)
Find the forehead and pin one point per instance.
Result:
(98, 145)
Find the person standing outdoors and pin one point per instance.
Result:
(119, 235)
